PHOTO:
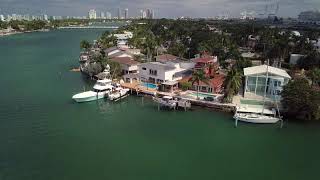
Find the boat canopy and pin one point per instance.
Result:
(167, 97)
(257, 110)
(104, 81)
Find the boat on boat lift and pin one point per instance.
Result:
(118, 93)
(166, 101)
(253, 115)
(101, 89)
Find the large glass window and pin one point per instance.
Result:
(256, 84)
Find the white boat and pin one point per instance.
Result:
(118, 93)
(167, 101)
(252, 115)
(256, 118)
(101, 89)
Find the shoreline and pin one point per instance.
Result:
(3, 34)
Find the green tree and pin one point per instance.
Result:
(115, 68)
(232, 84)
(177, 49)
(93, 69)
(185, 85)
(314, 75)
(14, 25)
(197, 77)
(3, 25)
(300, 100)
(84, 44)
(311, 61)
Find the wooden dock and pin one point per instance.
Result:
(135, 87)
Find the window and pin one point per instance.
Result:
(203, 88)
(277, 83)
(144, 68)
(153, 72)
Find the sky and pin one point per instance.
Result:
(162, 8)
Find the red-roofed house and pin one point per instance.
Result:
(165, 58)
(128, 65)
(214, 86)
(205, 62)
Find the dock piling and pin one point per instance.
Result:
(236, 123)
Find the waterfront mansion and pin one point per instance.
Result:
(159, 72)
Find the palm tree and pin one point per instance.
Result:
(84, 44)
(212, 69)
(150, 44)
(232, 83)
(197, 77)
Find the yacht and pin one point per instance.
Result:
(101, 89)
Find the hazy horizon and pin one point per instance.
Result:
(162, 8)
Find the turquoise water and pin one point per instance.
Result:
(203, 95)
(149, 85)
(44, 135)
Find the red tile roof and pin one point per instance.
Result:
(204, 60)
(216, 82)
(125, 60)
(166, 57)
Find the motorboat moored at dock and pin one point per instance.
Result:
(101, 89)
(118, 93)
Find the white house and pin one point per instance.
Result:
(128, 66)
(122, 39)
(261, 79)
(157, 72)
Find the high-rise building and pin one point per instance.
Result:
(152, 14)
(2, 18)
(14, 16)
(102, 15)
(311, 16)
(45, 17)
(108, 15)
(92, 14)
(126, 14)
(144, 14)
(149, 14)
(119, 13)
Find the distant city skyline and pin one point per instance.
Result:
(162, 8)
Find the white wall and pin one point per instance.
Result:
(146, 73)
(187, 65)
(163, 73)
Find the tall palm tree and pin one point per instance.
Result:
(212, 69)
(197, 77)
(232, 83)
(150, 44)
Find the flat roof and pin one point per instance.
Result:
(254, 109)
(263, 70)
(125, 60)
(170, 83)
